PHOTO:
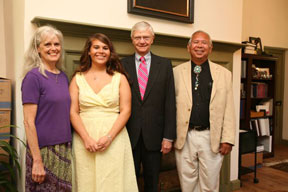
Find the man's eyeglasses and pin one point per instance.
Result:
(145, 38)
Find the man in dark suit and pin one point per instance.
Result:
(152, 125)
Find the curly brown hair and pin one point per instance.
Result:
(112, 65)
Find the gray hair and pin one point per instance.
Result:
(142, 26)
(200, 31)
(32, 57)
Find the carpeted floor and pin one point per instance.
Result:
(281, 166)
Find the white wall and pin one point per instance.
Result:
(14, 46)
(221, 18)
(2, 42)
(236, 91)
(267, 19)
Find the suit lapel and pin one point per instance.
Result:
(133, 73)
(214, 69)
(153, 73)
(186, 75)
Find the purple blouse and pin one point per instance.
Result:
(53, 99)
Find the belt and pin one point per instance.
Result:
(199, 128)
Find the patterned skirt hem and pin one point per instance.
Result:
(57, 165)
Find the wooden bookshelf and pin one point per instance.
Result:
(258, 87)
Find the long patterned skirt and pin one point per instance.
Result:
(57, 164)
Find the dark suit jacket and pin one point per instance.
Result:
(155, 116)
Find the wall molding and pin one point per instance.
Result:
(78, 29)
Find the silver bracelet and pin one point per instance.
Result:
(109, 137)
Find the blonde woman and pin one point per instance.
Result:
(46, 106)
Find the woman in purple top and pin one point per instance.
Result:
(46, 107)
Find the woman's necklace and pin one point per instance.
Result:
(54, 71)
(197, 70)
(56, 77)
(96, 76)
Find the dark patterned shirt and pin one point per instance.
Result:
(201, 96)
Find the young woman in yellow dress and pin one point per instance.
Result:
(100, 108)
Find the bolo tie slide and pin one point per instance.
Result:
(197, 70)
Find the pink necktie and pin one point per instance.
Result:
(142, 77)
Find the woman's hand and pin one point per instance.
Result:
(38, 172)
(91, 145)
(104, 142)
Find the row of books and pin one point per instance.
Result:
(259, 90)
(262, 126)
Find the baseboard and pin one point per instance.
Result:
(285, 142)
(235, 184)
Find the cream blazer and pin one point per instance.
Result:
(222, 114)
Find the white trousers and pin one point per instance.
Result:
(198, 167)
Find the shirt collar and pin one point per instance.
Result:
(147, 56)
(204, 65)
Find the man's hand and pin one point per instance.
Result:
(225, 148)
(166, 146)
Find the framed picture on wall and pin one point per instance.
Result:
(177, 10)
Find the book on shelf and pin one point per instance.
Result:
(243, 68)
(261, 126)
(264, 126)
(259, 90)
(270, 144)
(254, 126)
(250, 48)
(255, 114)
(249, 44)
(242, 91)
(260, 148)
(266, 142)
(250, 51)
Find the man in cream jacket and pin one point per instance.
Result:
(205, 117)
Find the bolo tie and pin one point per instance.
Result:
(197, 69)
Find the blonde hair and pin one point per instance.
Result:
(33, 58)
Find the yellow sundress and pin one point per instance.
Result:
(113, 169)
